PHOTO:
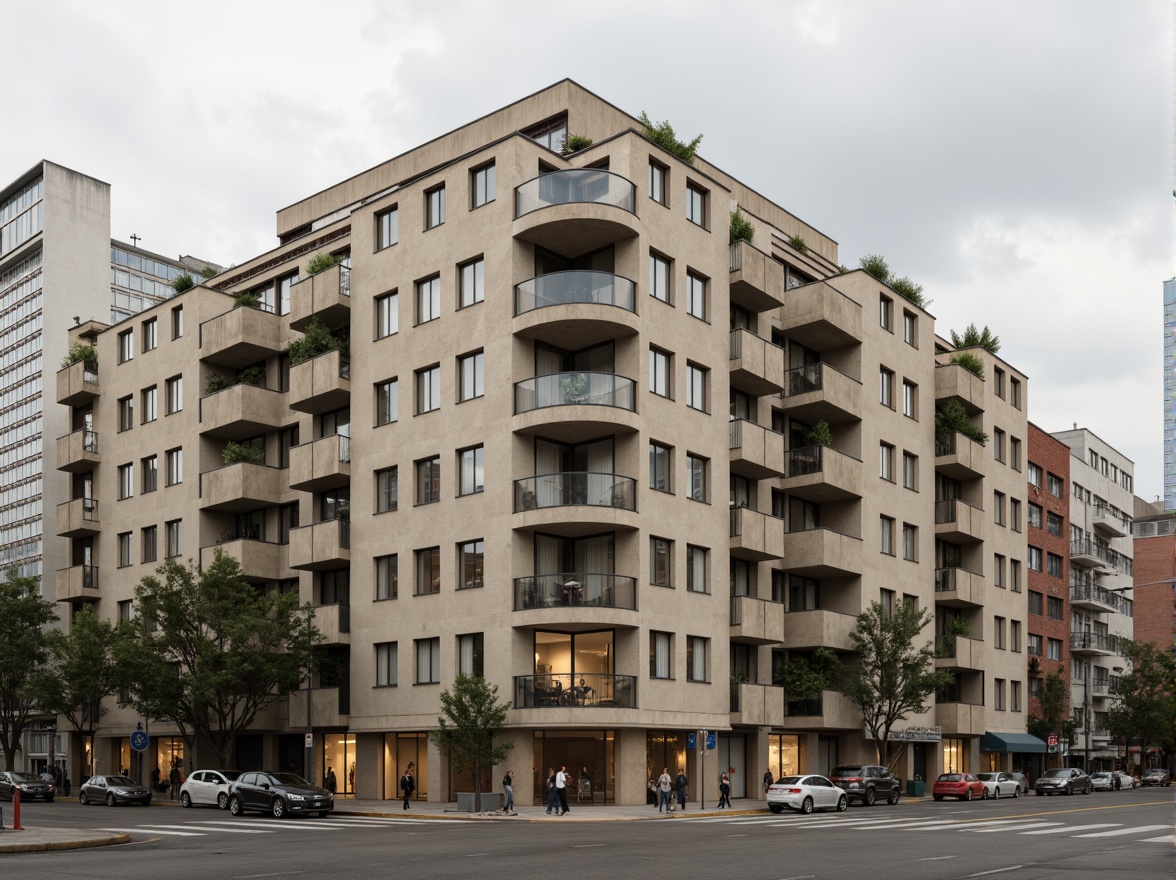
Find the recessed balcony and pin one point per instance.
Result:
(821, 474)
(79, 583)
(1094, 644)
(958, 652)
(77, 385)
(1093, 598)
(830, 711)
(236, 488)
(1110, 523)
(958, 456)
(822, 553)
(756, 536)
(818, 392)
(333, 623)
(77, 452)
(78, 518)
(804, 630)
(952, 380)
(329, 707)
(325, 295)
(761, 705)
(242, 411)
(958, 522)
(321, 464)
(576, 309)
(576, 405)
(563, 690)
(756, 621)
(240, 337)
(575, 502)
(576, 211)
(820, 317)
(259, 560)
(321, 384)
(1090, 554)
(958, 588)
(757, 366)
(757, 281)
(756, 452)
(960, 719)
(321, 545)
(575, 589)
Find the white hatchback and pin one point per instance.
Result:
(806, 793)
(208, 788)
(1000, 784)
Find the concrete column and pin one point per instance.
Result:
(631, 769)
(370, 782)
(521, 760)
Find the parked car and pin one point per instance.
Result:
(1000, 784)
(964, 786)
(1155, 776)
(1063, 780)
(1126, 780)
(208, 788)
(867, 783)
(31, 787)
(1102, 781)
(1022, 781)
(113, 790)
(278, 794)
(806, 793)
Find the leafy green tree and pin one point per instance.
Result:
(1054, 702)
(662, 134)
(893, 674)
(972, 337)
(805, 677)
(1146, 708)
(316, 339)
(911, 291)
(574, 143)
(876, 265)
(471, 718)
(209, 272)
(81, 352)
(183, 282)
(24, 650)
(951, 416)
(320, 262)
(208, 651)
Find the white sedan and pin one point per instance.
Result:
(208, 788)
(805, 793)
(1000, 785)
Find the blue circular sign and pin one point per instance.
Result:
(139, 741)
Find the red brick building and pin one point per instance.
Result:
(1154, 548)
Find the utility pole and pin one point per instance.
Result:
(309, 744)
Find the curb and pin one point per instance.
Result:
(109, 840)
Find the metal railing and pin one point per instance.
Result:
(948, 442)
(804, 461)
(736, 256)
(575, 489)
(89, 509)
(945, 646)
(575, 286)
(89, 576)
(575, 589)
(89, 441)
(344, 533)
(947, 579)
(344, 280)
(575, 389)
(575, 185)
(344, 448)
(1093, 641)
(804, 708)
(1091, 593)
(589, 689)
(89, 377)
(948, 510)
(801, 380)
(344, 366)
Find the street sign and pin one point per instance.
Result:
(139, 741)
(710, 741)
(1052, 739)
(691, 740)
(309, 741)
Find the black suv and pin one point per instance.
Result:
(279, 794)
(867, 783)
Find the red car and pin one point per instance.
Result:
(964, 786)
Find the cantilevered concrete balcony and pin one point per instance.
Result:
(321, 464)
(575, 406)
(78, 583)
(576, 308)
(822, 553)
(807, 630)
(259, 560)
(240, 337)
(321, 384)
(958, 456)
(756, 536)
(757, 281)
(819, 392)
(952, 380)
(959, 652)
(820, 317)
(1090, 597)
(329, 707)
(576, 211)
(325, 296)
(830, 711)
(958, 522)
(1093, 644)
(757, 366)
(77, 385)
(242, 411)
(756, 452)
(761, 705)
(78, 518)
(958, 588)
(333, 623)
(1110, 523)
(756, 621)
(821, 474)
(573, 503)
(960, 719)
(321, 545)
(576, 598)
(236, 488)
(77, 452)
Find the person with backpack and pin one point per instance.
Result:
(508, 793)
(680, 786)
(552, 794)
(407, 784)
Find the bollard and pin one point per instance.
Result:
(16, 809)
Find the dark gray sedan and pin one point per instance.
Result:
(31, 787)
(1063, 780)
(279, 794)
(111, 790)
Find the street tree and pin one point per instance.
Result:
(1055, 716)
(471, 718)
(24, 648)
(208, 651)
(1146, 708)
(893, 673)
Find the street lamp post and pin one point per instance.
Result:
(308, 759)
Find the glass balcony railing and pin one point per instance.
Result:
(575, 389)
(575, 589)
(567, 288)
(575, 689)
(575, 489)
(575, 185)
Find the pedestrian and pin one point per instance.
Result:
(330, 780)
(1118, 782)
(663, 790)
(561, 788)
(725, 792)
(155, 774)
(767, 780)
(66, 785)
(407, 784)
(681, 783)
(552, 794)
(508, 792)
(174, 779)
(651, 791)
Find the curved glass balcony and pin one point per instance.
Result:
(554, 690)
(567, 288)
(575, 389)
(575, 589)
(575, 185)
(575, 489)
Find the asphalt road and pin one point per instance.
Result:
(1104, 836)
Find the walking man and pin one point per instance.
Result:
(508, 792)
(561, 788)
(407, 784)
(663, 790)
(680, 784)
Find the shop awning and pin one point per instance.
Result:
(1011, 742)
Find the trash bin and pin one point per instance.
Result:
(916, 788)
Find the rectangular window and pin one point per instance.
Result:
(173, 534)
(1056, 488)
(177, 322)
(471, 373)
(1053, 565)
(472, 286)
(659, 655)
(387, 577)
(886, 313)
(910, 471)
(658, 174)
(660, 562)
(428, 389)
(387, 402)
(150, 468)
(660, 467)
(696, 387)
(1015, 636)
(998, 633)
(435, 207)
(1014, 453)
(126, 413)
(886, 461)
(471, 558)
(175, 394)
(483, 186)
(1014, 696)
(998, 694)
(1054, 524)
(126, 612)
(387, 489)
(387, 315)
(696, 477)
(804, 594)
(659, 372)
(696, 205)
(174, 459)
(387, 228)
(910, 542)
(886, 535)
(1014, 514)
(1036, 602)
(471, 471)
(1053, 607)
(1053, 649)
(696, 568)
(1034, 645)
(696, 665)
(1035, 515)
(149, 540)
(147, 404)
(125, 550)
(886, 387)
(998, 444)
(428, 300)
(910, 399)
(428, 571)
(1015, 575)
(1034, 474)
(386, 671)
(126, 480)
(998, 567)
(428, 661)
(696, 295)
(998, 382)
(470, 651)
(1015, 392)
(998, 508)
(1035, 559)
(126, 346)
(886, 601)
(150, 334)
(659, 277)
(910, 328)
(428, 480)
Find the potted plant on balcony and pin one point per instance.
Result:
(234, 453)
(741, 228)
(81, 352)
(320, 262)
(316, 339)
(573, 387)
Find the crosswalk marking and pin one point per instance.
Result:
(1167, 838)
(1020, 829)
(194, 828)
(1138, 829)
(141, 830)
(912, 825)
(968, 825)
(1076, 828)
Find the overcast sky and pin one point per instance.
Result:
(1013, 156)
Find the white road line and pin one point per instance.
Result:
(587, 845)
(1138, 829)
(194, 827)
(1167, 838)
(1065, 828)
(934, 858)
(997, 871)
(277, 823)
(827, 823)
(153, 831)
(915, 825)
(965, 825)
(1004, 828)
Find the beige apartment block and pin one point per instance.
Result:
(563, 362)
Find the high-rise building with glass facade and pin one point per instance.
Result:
(1170, 394)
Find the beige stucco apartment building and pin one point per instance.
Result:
(558, 369)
